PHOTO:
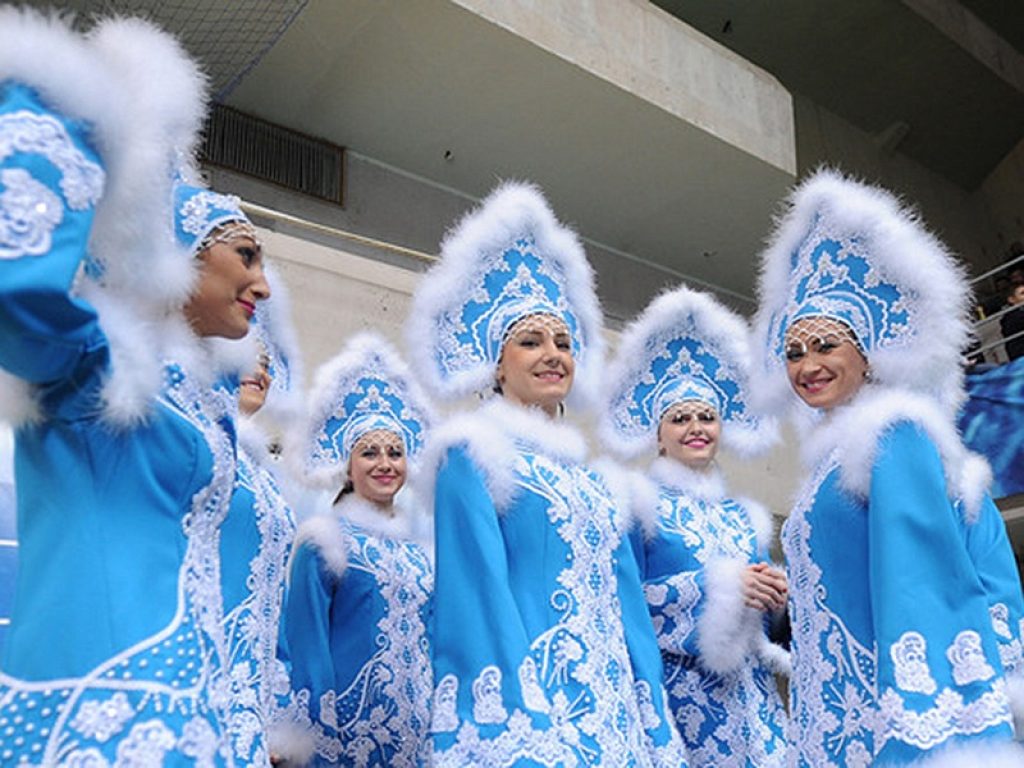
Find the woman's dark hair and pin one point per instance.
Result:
(346, 489)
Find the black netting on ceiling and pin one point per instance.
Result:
(228, 38)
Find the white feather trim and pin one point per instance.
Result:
(1015, 690)
(621, 487)
(645, 503)
(374, 519)
(761, 521)
(283, 405)
(902, 248)
(107, 80)
(323, 397)
(490, 436)
(774, 657)
(727, 630)
(719, 329)
(18, 405)
(975, 754)
(511, 210)
(707, 485)
(325, 535)
(291, 741)
(856, 429)
(253, 440)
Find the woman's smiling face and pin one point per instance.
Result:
(231, 281)
(689, 432)
(536, 366)
(824, 364)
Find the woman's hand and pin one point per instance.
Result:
(764, 587)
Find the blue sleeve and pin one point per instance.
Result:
(675, 601)
(306, 634)
(992, 555)
(49, 185)
(939, 676)
(479, 638)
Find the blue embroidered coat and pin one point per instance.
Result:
(542, 648)
(717, 658)
(256, 539)
(355, 628)
(115, 651)
(905, 601)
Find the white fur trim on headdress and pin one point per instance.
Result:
(510, 212)
(719, 338)
(925, 355)
(107, 80)
(855, 430)
(332, 382)
(283, 402)
(490, 436)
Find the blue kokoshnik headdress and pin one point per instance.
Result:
(850, 252)
(504, 261)
(684, 347)
(199, 212)
(365, 388)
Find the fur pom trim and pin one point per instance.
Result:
(490, 435)
(676, 476)
(727, 630)
(645, 503)
(324, 534)
(18, 405)
(990, 754)
(775, 658)
(855, 431)
(721, 330)
(323, 399)
(510, 210)
(761, 521)
(283, 404)
(910, 256)
(1015, 690)
(374, 519)
(292, 741)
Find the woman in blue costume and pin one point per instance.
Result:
(125, 468)
(543, 651)
(357, 609)
(679, 384)
(905, 599)
(256, 537)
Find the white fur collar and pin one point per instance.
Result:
(253, 439)
(706, 486)
(372, 518)
(854, 430)
(491, 435)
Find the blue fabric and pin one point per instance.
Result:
(992, 423)
(199, 211)
(8, 559)
(358, 646)
(895, 652)
(725, 719)
(256, 539)
(542, 649)
(116, 614)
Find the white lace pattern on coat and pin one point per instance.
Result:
(166, 697)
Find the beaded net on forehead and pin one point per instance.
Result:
(379, 439)
(225, 233)
(812, 331)
(689, 409)
(536, 323)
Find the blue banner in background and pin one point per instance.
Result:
(992, 423)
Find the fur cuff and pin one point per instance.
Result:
(727, 629)
(291, 741)
(990, 754)
(1015, 690)
(774, 657)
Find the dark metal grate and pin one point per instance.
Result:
(264, 150)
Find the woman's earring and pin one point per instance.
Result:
(868, 376)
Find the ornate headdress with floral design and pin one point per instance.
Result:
(504, 261)
(684, 347)
(365, 388)
(203, 217)
(850, 252)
